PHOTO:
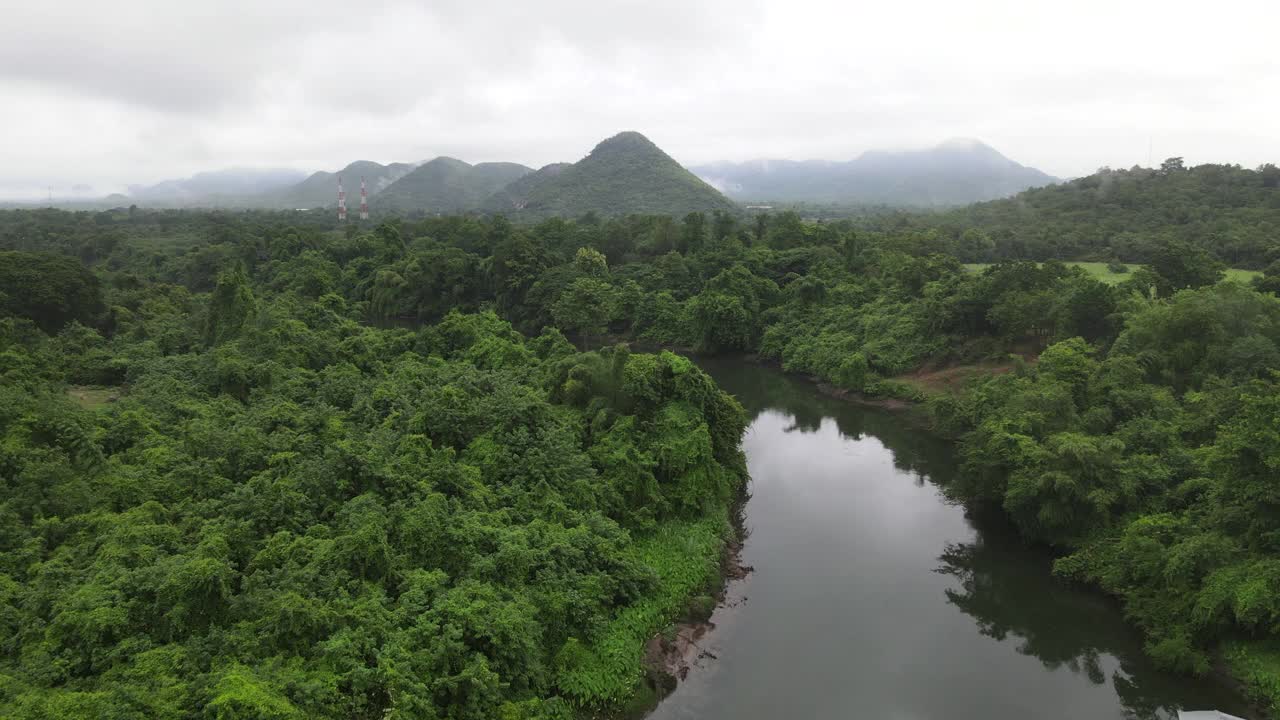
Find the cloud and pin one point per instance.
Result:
(130, 91)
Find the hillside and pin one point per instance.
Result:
(1227, 210)
(448, 185)
(515, 195)
(321, 188)
(953, 173)
(624, 174)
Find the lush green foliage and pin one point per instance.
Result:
(1228, 211)
(606, 671)
(1115, 272)
(288, 513)
(50, 290)
(476, 523)
(1258, 666)
(1153, 461)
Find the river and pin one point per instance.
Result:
(875, 597)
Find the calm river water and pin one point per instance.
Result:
(874, 597)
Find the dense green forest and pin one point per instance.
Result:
(1226, 210)
(358, 470)
(288, 512)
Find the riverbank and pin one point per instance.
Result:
(1248, 668)
(644, 652)
(671, 654)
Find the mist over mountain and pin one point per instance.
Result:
(515, 196)
(320, 189)
(956, 172)
(227, 183)
(624, 174)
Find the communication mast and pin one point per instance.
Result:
(342, 202)
(364, 200)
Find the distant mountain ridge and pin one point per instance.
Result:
(956, 172)
(449, 185)
(230, 183)
(623, 174)
(320, 189)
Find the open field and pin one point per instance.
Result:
(91, 398)
(1099, 270)
(1244, 276)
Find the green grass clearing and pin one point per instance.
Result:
(1099, 271)
(1243, 276)
(92, 398)
(1257, 665)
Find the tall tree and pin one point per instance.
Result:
(231, 305)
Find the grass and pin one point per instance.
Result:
(1238, 275)
(926, 383)
(1257, 665)
(607, 670)
(92, 398)
(1099, 271)
(165, 244)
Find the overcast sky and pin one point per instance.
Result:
(108, 93)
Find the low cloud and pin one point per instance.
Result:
(133, 92)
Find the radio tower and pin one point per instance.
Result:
(364, 200)
(342, 202)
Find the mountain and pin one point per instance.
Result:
(448, 185)
(320, 189)
(624, 174)
(515, 195)
(957, 172)
(216, 185)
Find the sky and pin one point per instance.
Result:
(103, 94)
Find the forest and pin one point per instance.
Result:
(1229, 211)
(258, 465)
(292, 513)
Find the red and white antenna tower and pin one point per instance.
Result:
(364, 200)
(342, 202)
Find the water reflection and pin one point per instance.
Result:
(874, 596)
(1009, 593)
(760, 389)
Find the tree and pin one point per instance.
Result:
(1243, 462)
(386, 296)
(723, 225)
(1270, 175)
(1182, 265)
(591, 263)
(761, 228)
(586, 306)
(693, 232)
(1172, 165)
(51, 290)
(231, 305)
(721, 322)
